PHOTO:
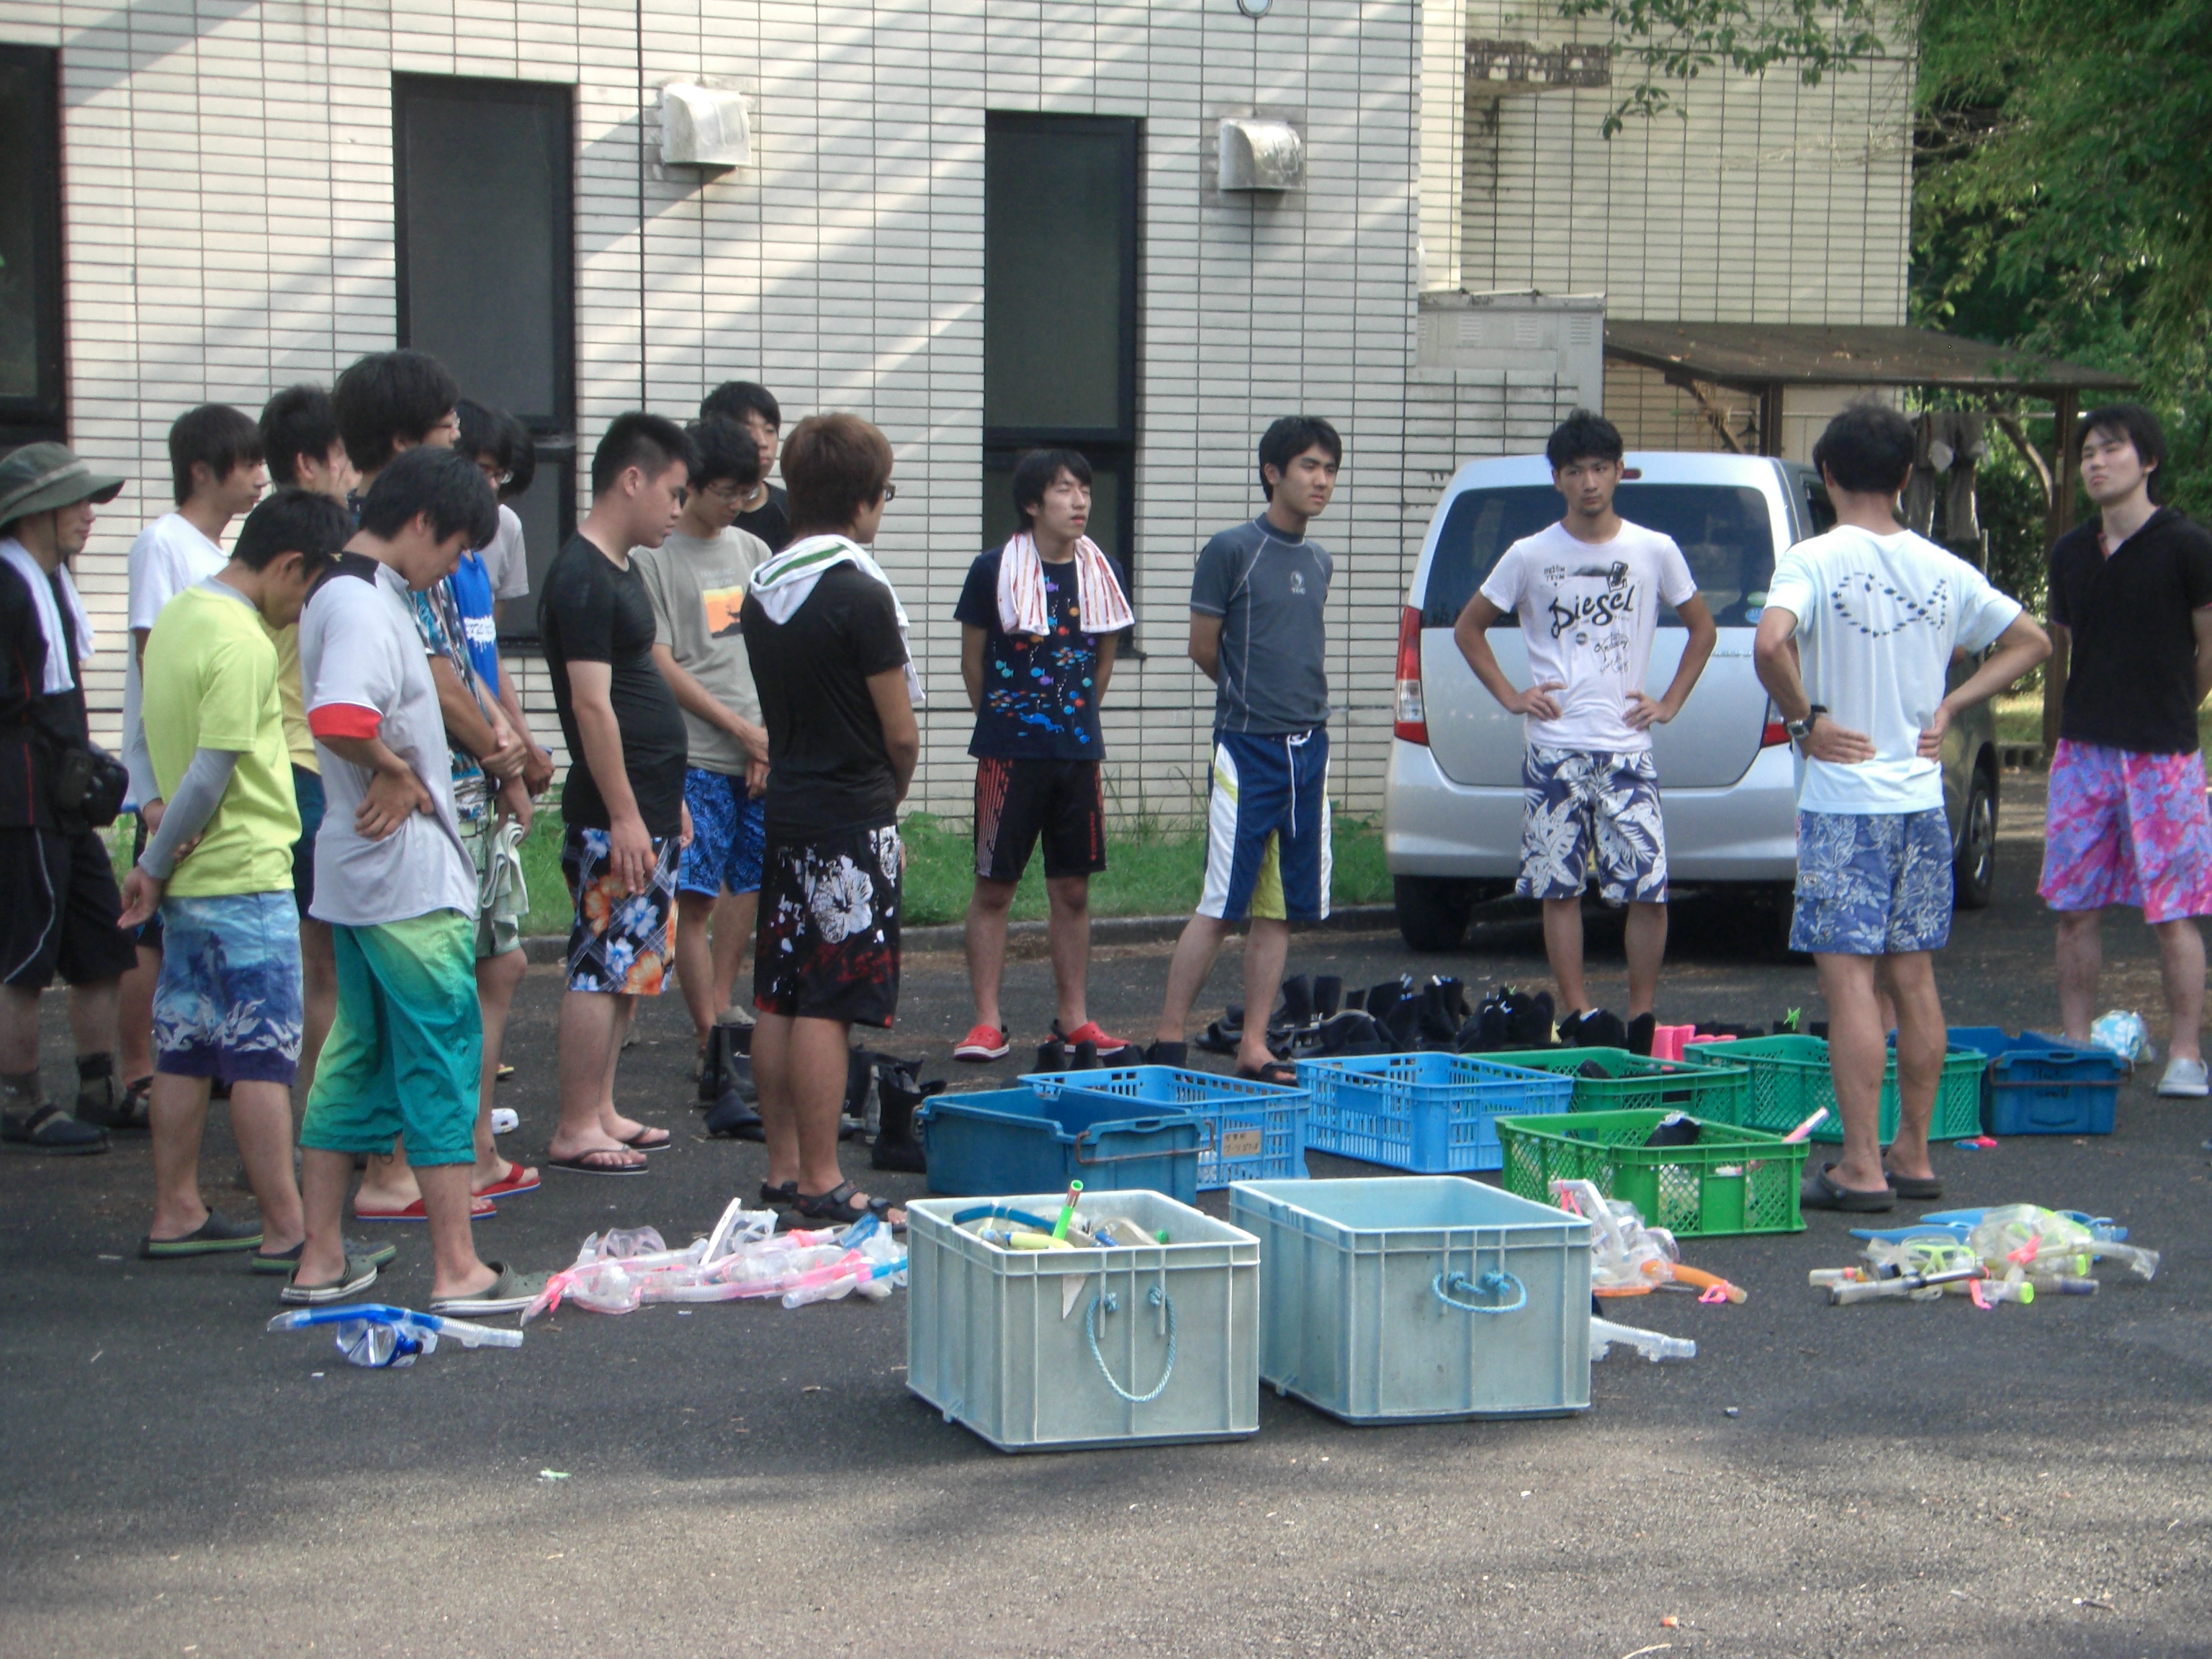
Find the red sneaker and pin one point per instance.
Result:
(1108, 1048)
(984, 1043)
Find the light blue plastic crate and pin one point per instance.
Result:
(1038, 1350)
(1398, 1301)
(2044, 1085)
(1253, 1130)
(1003, 1140)
(1429, 1113)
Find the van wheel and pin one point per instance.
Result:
(1975, 871)
(1432, 911)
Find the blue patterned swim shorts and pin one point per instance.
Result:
(1582, 806)
(727, 836)
(227, 1003)
(1872, 884)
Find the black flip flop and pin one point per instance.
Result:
(837, 1205)
(582, 1164)
(1818, 1191)
(1280, 1073)
(1918, 1189)
(638, 1143)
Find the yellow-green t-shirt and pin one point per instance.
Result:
(211, 683)
(297, 738)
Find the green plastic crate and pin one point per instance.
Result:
(1789, 1082)
(1732, 1181)
(1714, 1089)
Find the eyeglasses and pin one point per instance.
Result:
(890, 494)
(494, 476)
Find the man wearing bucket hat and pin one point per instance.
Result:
(58, 903)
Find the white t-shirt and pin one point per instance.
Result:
(1878, 617)
(360, 654)
(1587, 611)
(505, 559)
(169, 556)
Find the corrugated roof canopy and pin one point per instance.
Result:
(1756, 356)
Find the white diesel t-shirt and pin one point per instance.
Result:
(169, 556)
(1878, 617)
(1587, 611)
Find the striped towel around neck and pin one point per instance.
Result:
(1098, 598)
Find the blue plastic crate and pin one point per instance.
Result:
(1020, 1141)
(1396, 1301)
(1253, 1130)
(2044, 1085)
(1428, 1114)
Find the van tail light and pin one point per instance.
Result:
(1776, 734)
(1412, 718)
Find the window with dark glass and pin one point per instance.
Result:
(481, 181)
(32, 389)
(1061, 213)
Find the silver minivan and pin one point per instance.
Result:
(1452, 810)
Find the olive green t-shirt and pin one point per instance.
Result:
(698, 589)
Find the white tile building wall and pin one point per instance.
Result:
(228, 208)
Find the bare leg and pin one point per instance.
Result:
(800, 1067)
(695, 963)
(735, 915)
(387, 1183)
(592, 1027)
(92, 1008)
(986, 947)
(176, 1112)
(19, 1031)
(261, 1119)
(324, 1178)
(318, 996)
(1267, 948)
(1068, 934)
(1646, 942)
(1857, 1056)
(2081, 958)
(134, 1016)
(455, 1270)
(1563, 949)
(772, 1078)
(1193, 961)
(496, 980)
(2181, 961)
(616, 1126)
(1922, 1041)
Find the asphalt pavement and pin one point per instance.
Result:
(1895, 1478)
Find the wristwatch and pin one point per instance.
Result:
(1801, 730)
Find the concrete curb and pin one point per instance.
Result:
(1104, 930)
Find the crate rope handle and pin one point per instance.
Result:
(1159, 1298)
(1493, 1283)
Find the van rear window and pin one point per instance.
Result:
(1725, 531)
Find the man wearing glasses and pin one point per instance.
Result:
(696, 579)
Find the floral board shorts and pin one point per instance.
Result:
(828, 942)
(1872, 884)
(227, 1003)
(1578, 806)
(621, 943)
(727, 836)
(2127, 828)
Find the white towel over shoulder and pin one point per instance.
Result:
(786, 582)
(1099, 601)
(50, 621)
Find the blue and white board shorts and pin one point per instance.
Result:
(1581, 806)
(1873, 885)
(1267, 828)
(228, 1003)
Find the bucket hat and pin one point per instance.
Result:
(39, 478)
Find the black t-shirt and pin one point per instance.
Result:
(590, 609)
(2131, 677)
(1040, 695)
(770, 520)
(827, 766)
(34, 724)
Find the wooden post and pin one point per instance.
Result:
(2066, 471)
(1770, 419)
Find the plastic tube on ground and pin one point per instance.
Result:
(1651, 1345)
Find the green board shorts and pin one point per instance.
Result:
(403, 1054)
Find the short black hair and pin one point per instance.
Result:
(390, 397)
(293, 520)
(485, 432)
(1289, 438)
(722, 451)
(1868, 448)
(651, 442)
(214, 435)
(1035, 472)
(734, 399)
(2141, 428)
(442, 483)
(522, 459)
(1584, 435)
(298, 421)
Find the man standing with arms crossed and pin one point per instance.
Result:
(1257, 632)
(2132, 606)
(1875, 612)
(1588, 592)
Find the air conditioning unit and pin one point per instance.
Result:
(704, 127)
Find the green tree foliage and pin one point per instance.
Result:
(1676, 40)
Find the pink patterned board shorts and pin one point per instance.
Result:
(2127, 828)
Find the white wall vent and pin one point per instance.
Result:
(1262, 154)
(704, 127)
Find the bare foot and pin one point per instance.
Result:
(597, 1155)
